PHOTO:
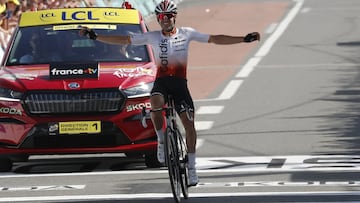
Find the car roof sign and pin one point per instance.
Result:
(79, 15)
(77, 26)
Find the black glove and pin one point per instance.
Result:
(251, 37)
(91, 34)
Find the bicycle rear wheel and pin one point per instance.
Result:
(172, 162)
(183, 159)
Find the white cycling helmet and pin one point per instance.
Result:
(166, 6)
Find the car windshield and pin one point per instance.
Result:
(56, 44)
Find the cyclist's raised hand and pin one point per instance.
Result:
(110, 39)
(252, 37)
(85, 31)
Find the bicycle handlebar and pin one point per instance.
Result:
(187, 110)
(146, 112)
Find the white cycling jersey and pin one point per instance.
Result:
(171, 52)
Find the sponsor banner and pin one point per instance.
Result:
(133, 72)
(79, 15)
(42, 188)
(73, 71)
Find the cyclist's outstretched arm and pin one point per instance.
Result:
(117, 39)
(227, 39)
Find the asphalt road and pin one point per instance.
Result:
(277, 122)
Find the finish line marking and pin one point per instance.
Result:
(246, 164)
(169, 195)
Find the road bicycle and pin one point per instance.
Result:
(175, 148)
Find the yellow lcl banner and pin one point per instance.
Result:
(79, 15)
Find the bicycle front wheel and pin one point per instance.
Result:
(173, 164)
(183, 161)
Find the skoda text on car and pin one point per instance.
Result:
(61, 93)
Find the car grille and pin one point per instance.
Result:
(63, 102)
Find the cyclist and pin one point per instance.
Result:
(170, 45)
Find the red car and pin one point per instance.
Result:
(61, 93)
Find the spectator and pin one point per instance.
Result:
(2, 5)
(24, 5)
(4, 33)
(13, 11)
(72, 4)
(89, 3)
(4, 22)
(8, 20)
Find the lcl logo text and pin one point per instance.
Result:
(78, 15)
(47, 15)
(111, 13)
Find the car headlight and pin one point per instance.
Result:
(10, 95)
(142, 90)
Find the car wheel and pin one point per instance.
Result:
(151, 160)
(5, 165)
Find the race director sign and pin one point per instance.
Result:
(73, 71)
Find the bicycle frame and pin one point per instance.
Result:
(175, 150)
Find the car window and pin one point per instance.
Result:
(44, 45)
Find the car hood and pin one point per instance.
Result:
(102, 75)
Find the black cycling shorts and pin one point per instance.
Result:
(177, 87)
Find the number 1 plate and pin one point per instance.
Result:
(78, 127)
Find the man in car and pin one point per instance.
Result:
(170, 45)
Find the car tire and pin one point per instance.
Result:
(5, 165)
(151, 160)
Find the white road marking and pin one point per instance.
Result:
(230, 90)
(203, 125)
(169, 195)
(305, 10)
(279, 163)
(265, 48)
(271, 28)
(210, 109)
(43, 188)
(250, 164)
(312, 65)
(278, 184)
(206, 125)
(248, 67)
(246, 164)
(199, 143)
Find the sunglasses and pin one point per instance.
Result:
(168, 15)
